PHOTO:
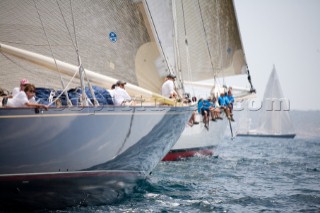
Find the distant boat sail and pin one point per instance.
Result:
(274, 118)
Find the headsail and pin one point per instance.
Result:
(161, 16)
(209, 37)
(203, 35)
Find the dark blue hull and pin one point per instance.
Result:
(54, 191)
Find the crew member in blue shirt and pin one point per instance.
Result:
(230, 102)
(204, 108)
(224, 102)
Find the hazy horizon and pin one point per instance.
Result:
(284, 33)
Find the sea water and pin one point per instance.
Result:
(244, 175)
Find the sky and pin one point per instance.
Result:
(284, 33)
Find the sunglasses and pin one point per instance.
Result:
(31, 91)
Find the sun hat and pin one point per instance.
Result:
(24, 81)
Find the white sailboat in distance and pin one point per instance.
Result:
(273, 117)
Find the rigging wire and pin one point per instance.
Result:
(252, 89)
(176, 45)
(75, 46)
(51, 51)
(66, 25)
(162, 50)
(82, 72)
(186, 42)
(45, 34)
(208, 47)
(215, 79)
(156, 32)
(81, 69)
(14, 62)
(206, 37)
(64, 89)
(220, 51)
(55, 62)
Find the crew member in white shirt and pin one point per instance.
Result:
(168, 87)
(120, 94)
(111, 91)
(25, 98)
(16, 91)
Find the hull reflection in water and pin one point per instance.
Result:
(58, 190)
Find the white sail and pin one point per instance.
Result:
(209, 40)
(208, 47)
(161, 17)
(273, 116)
(53, 28)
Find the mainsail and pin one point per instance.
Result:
(112, 41)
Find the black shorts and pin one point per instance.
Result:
(203, 110)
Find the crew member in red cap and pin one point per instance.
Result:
(16, 90)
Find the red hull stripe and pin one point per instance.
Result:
(62, 175)
(179, 154)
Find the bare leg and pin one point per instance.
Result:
(206, 120)
(192, 119)
(213, 117)
(193, 116)
(227, 112)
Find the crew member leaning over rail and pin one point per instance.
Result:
(25, 98)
